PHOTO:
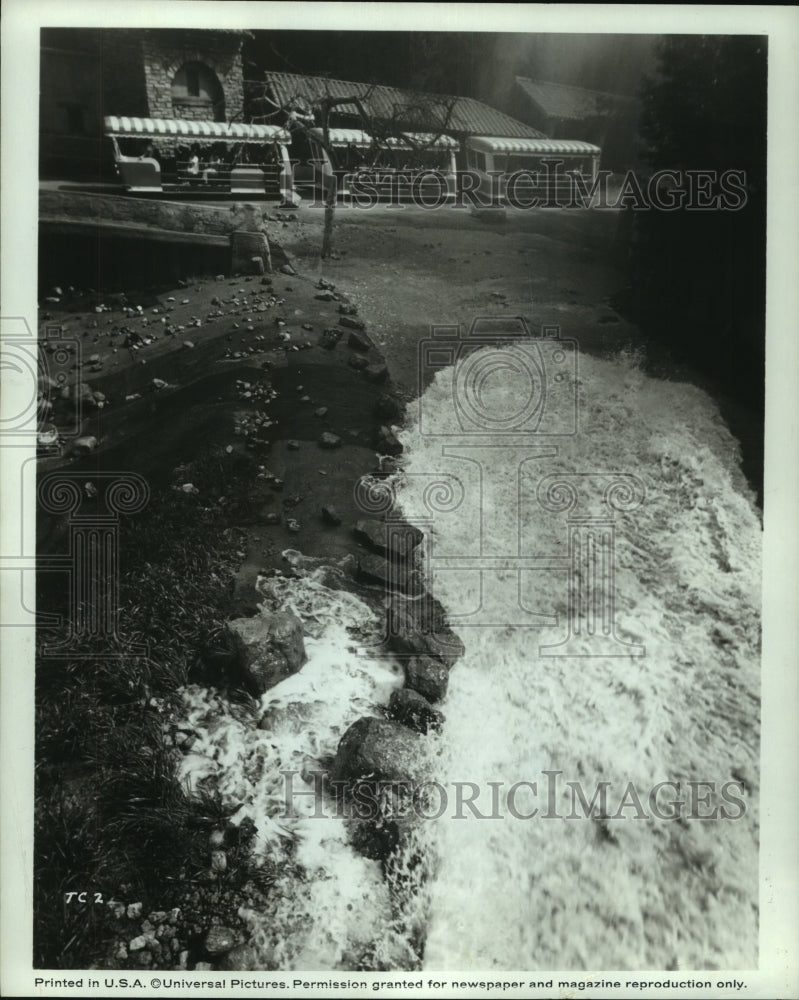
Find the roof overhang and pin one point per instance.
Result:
(541, 147)
(363, 140)
(198, 130)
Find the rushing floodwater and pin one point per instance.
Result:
(549, 892)
(631, 892)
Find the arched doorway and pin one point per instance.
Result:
(197, 93)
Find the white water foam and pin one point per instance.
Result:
(549, 893)
(329, 906)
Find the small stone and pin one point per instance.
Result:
(188, 344)
(293, 525)
(293, 445)
(216, 838)
(138, 943)
(218, 861)
(328, 440)
(376, 373)
(330, 338)
(83, 445)
(331, 516)
(321, 412)
(159, 383)
(272, 518)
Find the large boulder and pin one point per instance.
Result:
(414, 711)
(419, 628)
(380, 750)
(374, 534)
(269, 648)
(427, 676)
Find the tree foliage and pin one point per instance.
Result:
(698, 277)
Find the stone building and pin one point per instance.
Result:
(153, 73)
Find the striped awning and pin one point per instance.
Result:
(180, 128)
(545, 147)
(363, 140)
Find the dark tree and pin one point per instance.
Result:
(698, 277)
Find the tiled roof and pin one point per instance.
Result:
(560, 100)
(410, 109)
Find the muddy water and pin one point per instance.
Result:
(629, 889)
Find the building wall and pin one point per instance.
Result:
(164, 54)
(89, 73)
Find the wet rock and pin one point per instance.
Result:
(427, 676)
(359, 341)
(294, 717)
(330, 515)
(351, 323)
(387, 442)
(419, 628)
(376, 373)
(388, 407)
(243, 958)
(328, 440)
(371, 568)
(414, 711)
(220, 940)
(269, 648)
(375, 536)
(358, 362)
(381, 750)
